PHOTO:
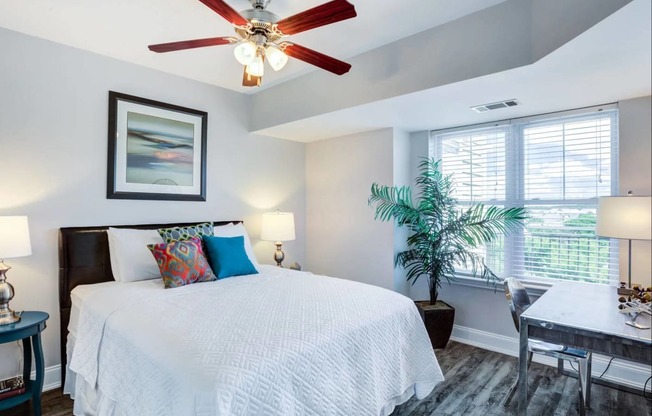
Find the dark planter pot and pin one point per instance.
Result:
(438, 319)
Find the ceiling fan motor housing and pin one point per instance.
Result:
(259, 4)
(261, 22)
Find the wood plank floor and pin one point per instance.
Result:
(476, 383)
(478, 380)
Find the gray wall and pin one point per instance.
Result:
(635, 174)
(402, 176)
(53, 137)
(343, 238)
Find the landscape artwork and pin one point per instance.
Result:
(157, 151)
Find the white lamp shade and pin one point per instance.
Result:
(245, 52)
(276, 58)
(256, 68)
(14, 237)
(625, 217)
(277, 226)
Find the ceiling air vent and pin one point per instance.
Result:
(494, 106)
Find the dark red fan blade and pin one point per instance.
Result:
(189, 44)
(327, 13)
(316, 58)
(224, 10)
(250, 80)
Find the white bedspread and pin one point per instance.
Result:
(278, 343)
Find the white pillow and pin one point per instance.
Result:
(131, 260)
(218, 228)
(235, 230)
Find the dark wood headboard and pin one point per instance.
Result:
(84, 259)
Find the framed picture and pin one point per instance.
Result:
(157, 151)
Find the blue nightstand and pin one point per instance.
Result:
(29, 330)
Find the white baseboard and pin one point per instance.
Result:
(623, 372)
(52, 377)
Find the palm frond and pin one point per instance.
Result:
(482, 226)
(435, 190)
(393, 202)
(442, 236)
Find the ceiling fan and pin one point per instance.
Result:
(260, 33)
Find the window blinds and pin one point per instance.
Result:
(554, 167)
(476, 159)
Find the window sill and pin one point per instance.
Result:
(533, 288)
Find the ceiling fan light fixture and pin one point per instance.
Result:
(256, 67)
(245, 52)
(259, 33)
(276, 58)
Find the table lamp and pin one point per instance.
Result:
(277, 226)
(627, 218)
(14, 242)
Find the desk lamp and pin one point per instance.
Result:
(14, 242)
(278, 226)
(627, 218)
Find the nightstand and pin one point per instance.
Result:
(28, 329)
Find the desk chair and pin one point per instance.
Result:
(519, 301)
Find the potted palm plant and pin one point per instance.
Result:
(443, 235)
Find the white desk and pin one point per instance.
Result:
(585, 316)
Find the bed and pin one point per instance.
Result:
(280, 342)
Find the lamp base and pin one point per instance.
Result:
(279, 256)
(9, 317)
(625, 291)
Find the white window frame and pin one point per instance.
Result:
(515, 194)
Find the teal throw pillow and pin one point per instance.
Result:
(227, 256)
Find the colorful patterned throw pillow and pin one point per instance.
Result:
(185, 233)
(182, 262)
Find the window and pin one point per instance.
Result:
(554, 166)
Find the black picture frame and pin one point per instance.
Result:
(157, 151)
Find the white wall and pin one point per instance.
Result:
(53, 139)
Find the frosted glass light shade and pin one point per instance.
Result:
(14, 237)
(277, 226)
(245, 52)
(256, 68)
(625, 217)
(276, 58)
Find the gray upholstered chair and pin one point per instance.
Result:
(519, 301)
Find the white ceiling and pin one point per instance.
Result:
(122, 29)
